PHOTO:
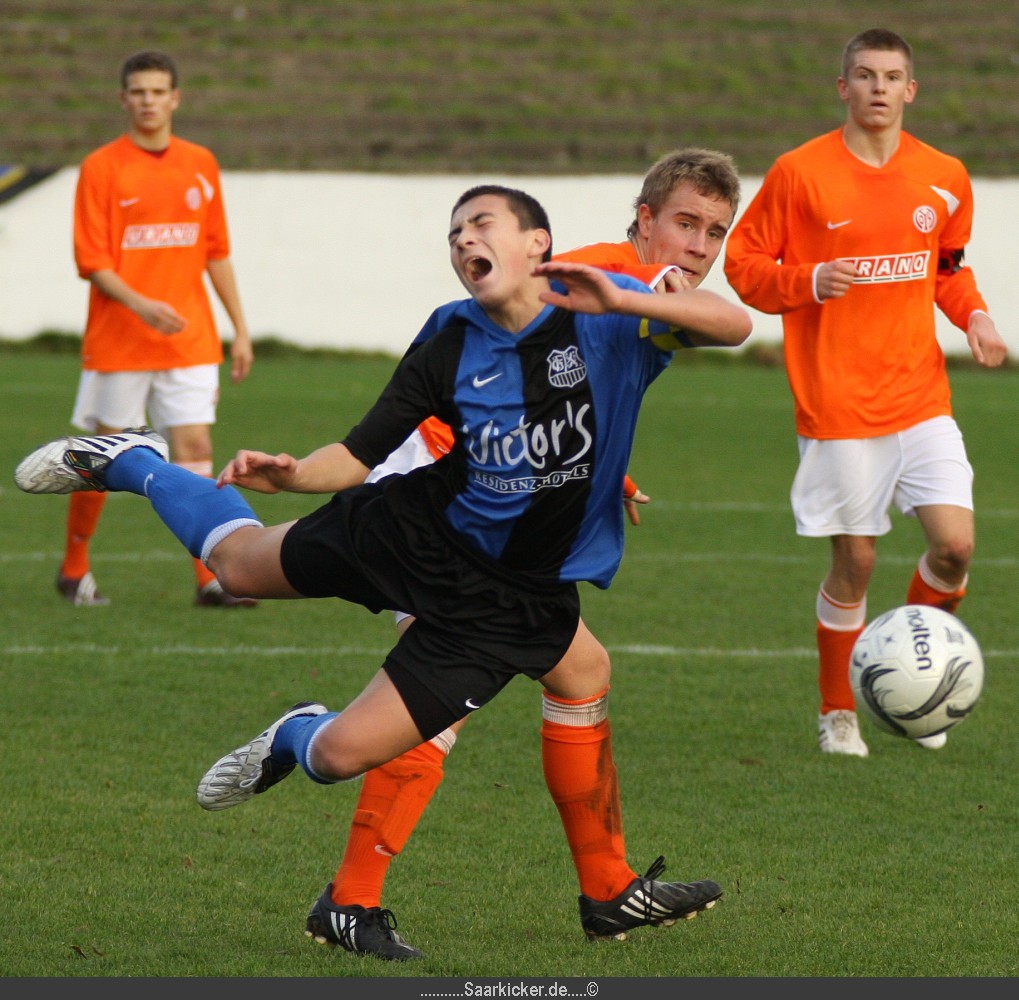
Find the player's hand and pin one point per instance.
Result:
(162, 316)
(673, 281)
(259, 471)
(985, 342)
(632, 496)
(588, 289)
(835, 278)
(242, 357)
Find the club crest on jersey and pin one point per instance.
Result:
(566, 368)
(925, 218)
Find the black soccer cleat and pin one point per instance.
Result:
(358, 929)
(645, 901)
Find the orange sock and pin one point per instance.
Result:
(82, 518)
(839, 625)
(202, 574)
(925, 588)
(392, 800)
(834, 650)
(576, 751)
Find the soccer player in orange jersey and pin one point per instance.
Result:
(682, 214)
(149, 224)
(855, 237)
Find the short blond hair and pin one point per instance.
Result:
(709, 172)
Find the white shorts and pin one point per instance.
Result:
(175, 397)
(410, 455)
(847, 487)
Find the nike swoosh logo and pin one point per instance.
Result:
(126, 202)
(470, 704)
(479, 382)
(839, 225)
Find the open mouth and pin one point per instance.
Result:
(477, 268)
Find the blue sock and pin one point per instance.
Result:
(191, 506)
(290, 744)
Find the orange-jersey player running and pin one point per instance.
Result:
(682, 214)
(149, 224)
(854, 237)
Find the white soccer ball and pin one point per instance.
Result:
(916, 671)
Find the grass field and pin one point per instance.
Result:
(478, 86)
(901, 865)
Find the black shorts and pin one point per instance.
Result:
(474, 629)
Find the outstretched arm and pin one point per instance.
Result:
(703, 314)
(328, 469)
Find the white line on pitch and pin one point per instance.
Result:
(778, 558)
(708, 652)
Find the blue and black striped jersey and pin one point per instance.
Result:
(544, 422)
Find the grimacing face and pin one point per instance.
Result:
(491, 254)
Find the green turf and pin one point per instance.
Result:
(901, 865)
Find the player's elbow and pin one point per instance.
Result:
(739, 328)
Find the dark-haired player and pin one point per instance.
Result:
(541, 373)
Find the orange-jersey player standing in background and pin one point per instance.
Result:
(854, 237)
(149, 224)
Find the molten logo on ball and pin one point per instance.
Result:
(916, 671)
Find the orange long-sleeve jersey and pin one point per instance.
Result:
(868, 363)
(156, 219)
(618, 258)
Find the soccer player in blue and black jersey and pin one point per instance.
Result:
(540, 373)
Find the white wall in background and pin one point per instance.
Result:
(360, 260)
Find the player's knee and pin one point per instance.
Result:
(951, 556)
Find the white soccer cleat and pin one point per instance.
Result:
(251, 769)
(74, 464)
(81, 591)
(839, 732)
(935, 742)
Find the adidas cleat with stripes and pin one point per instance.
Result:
(249, 770)
(74, 464)
(362, 930)
(645, 901)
